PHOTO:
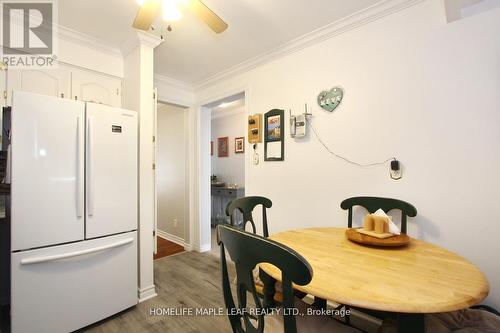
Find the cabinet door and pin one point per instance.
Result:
(91, 87)
(51, 82)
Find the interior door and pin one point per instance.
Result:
(111, 170)
(47, 170)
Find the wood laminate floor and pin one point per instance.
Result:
(187, 280)
(166, 248)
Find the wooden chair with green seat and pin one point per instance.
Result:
(246, 205)
(372, 204)
(248, 250)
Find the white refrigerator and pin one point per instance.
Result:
(73, 211)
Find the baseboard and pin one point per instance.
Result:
(147, 293)
(170, 237)
(203, 248)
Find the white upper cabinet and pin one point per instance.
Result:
(52, 82)
(65, 82)
(91, 87)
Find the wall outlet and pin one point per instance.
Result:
(174, 222)
(396, 174)
(255, 160)
(395, 170)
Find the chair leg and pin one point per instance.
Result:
(269, 289)
(319, 303)
(411, 323)
(347, 315)
(299, 294)
(347, 309)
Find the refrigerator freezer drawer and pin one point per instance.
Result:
(67, 287)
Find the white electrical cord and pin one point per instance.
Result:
(345, 158)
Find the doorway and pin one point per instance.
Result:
(227, 157)
(171, 179)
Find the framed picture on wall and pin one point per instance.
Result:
(239, 145)
(223, 147)
(274, 135)
(211, 148)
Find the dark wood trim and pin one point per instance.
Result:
(281, 114)
(220, 141)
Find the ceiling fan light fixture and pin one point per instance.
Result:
(170, 10)
(149, 9)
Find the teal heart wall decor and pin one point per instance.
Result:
(329, 100)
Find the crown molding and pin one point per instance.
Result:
(173, 82)
(360, 18)
(74, 36)
(148, 39)
(139, 38)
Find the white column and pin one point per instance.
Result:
(138, 95)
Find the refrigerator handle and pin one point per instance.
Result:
(90, 185)
(79, 163)
(37, 260)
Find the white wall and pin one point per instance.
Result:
(100, 60)
(229, 169)
(416, 88)
(171, 172)
(86, 52)
(173, 91)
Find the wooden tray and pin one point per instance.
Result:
(396, 240)
(373, 233)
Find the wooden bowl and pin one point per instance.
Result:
(397, 240)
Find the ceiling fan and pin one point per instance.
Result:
(170, 12)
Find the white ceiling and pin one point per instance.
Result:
(228, 106)
(192, 52)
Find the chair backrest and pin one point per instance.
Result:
(246, 205)
(372, 204)
(246, 251)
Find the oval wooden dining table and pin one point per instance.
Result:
(415, 279)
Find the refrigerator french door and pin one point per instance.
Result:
(47, 171)
(111, 170)
(74, 213)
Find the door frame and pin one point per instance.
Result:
(188, 238)
(200, 200)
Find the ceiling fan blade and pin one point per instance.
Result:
(208, 16)
(146, 14)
